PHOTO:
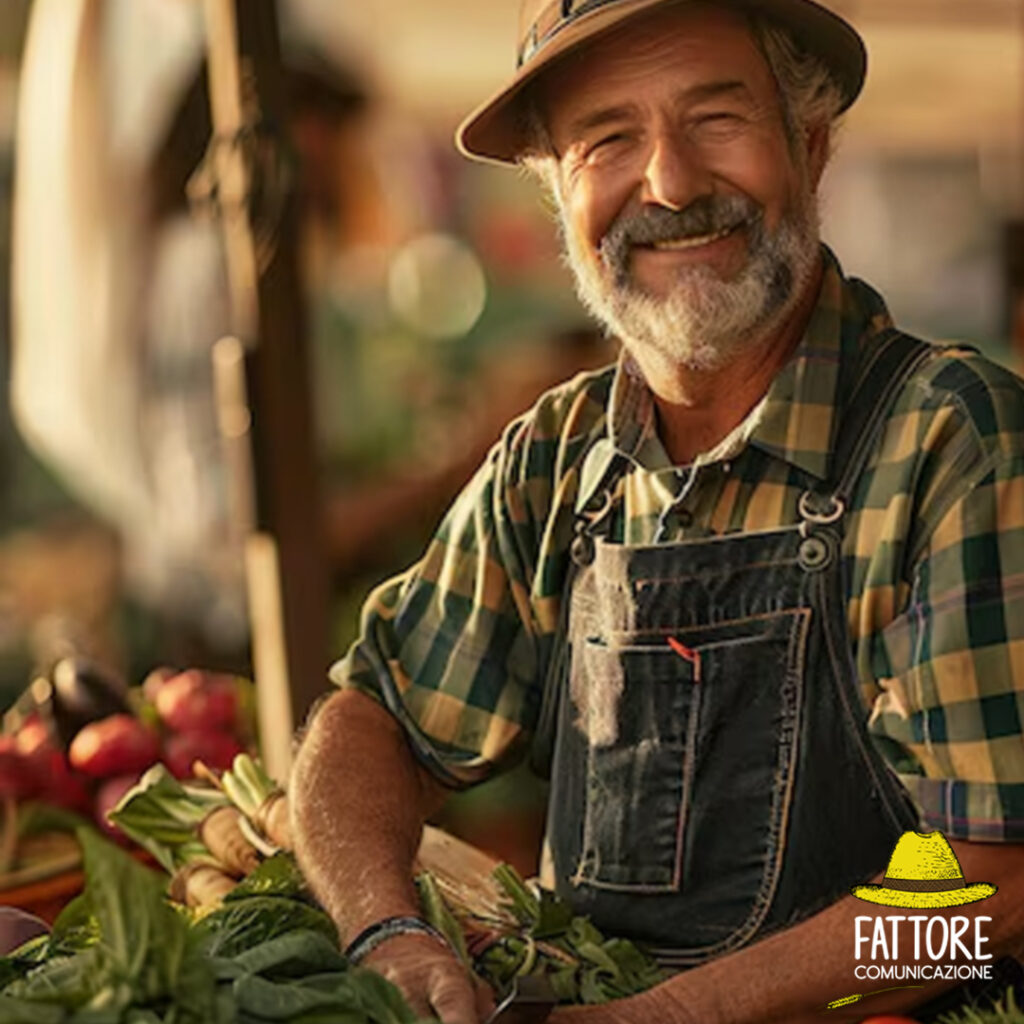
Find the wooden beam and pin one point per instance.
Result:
(263, 376)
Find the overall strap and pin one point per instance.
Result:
(884, 372)
(601, 469)
(890, 364)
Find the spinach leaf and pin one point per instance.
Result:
(292, 955)
(240, 925)
(75, 928)
(276, 876)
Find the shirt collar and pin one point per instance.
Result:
(796, 419)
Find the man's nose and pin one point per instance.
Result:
(674, 175)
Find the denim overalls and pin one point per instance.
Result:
(712, 778)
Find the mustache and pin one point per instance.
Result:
(706, 215)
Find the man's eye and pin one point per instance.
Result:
(720, 125)
(721, 117)
(607, 140)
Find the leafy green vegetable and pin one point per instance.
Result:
(277, 876)
(437, 913)
(1004, 1011)
(142, 956)
(162, 815)
(291, 954)
(579, 963)
(17, 1011)
(40, 818)
(120, 954)
(240, 925)
(75, 928)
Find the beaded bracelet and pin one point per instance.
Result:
(376, 934)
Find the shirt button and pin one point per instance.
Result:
(685, 517)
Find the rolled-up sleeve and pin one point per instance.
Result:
(954, 703)
(457, 647)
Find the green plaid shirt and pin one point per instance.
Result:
(457, 647)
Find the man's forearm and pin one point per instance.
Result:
(359, 800)
(793, 975)
(790, 977)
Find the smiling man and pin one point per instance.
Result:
(751, 598)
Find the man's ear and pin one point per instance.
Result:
(819, 148)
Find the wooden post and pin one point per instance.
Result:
(262, 372)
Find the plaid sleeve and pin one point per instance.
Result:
(954, 704)
(456, 647)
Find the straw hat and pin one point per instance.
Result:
(550, 29)
(923, 872)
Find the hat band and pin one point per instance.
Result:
(923, 884)
(551, 20)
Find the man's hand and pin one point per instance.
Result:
(432, 979)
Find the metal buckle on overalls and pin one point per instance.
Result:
(584, 549)
(810, 514)
(816, 553)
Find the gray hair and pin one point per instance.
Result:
(809, 93)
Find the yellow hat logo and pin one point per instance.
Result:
(923, 872)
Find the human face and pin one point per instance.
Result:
(688, 212)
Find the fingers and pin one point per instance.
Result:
(432, 979)
(485, 1003)
(452, 994)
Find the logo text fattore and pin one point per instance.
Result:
(934, 938)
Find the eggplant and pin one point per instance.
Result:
(83, 692)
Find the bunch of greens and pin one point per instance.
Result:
(162, 815)
(120, 954)
(504, 933)
(539, 936)
(1005, 1011)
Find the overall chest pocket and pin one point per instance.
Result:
(690, 761)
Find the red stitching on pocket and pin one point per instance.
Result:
(687, 654)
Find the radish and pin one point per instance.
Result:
(114, 746)
(154, 681)
(17, 777)
(108, 797)
(215, 748)
(56, 783)
(195, 701)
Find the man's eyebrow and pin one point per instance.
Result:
(695, 94)
(715, 90)
(598, 118)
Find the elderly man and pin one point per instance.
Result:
(753, 596)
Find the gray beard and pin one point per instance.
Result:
(705, 320)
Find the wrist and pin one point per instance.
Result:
(376, 934)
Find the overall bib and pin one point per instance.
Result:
(709, 791)
(715, 789)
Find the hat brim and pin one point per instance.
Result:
(923, 900)
(497, 129)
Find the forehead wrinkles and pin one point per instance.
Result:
(690, 43)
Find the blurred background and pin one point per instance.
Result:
(437, 306)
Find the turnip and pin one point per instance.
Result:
(117, 745)
(273, 821)
(200, 885)
(222, 835)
